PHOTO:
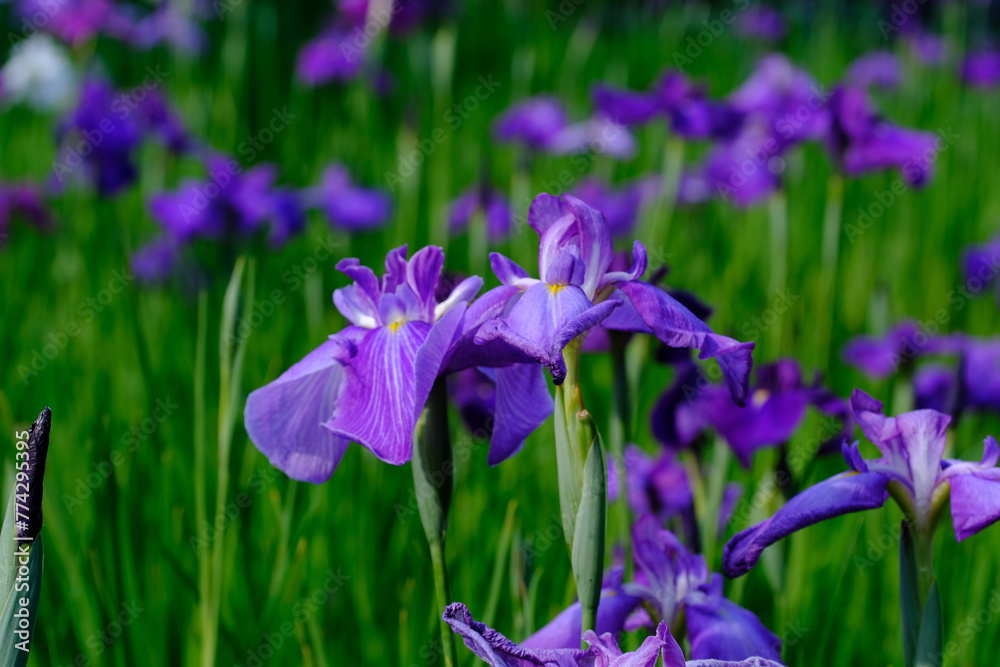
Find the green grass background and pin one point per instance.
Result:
(129, 540)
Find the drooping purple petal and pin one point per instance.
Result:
(523, 403)
(565, 630)
(284, 418)
(975, 500)
(676, 326)
(722, 630)
(841, 494)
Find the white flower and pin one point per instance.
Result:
(40, 74)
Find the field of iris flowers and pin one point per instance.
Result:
(180, 183)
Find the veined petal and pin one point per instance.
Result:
(841, 494)
(636, 271)
(975, 501)
(498, 651)
(433, 355)
(378, 405)
(676, 326)
(523, 403)
(588, 231)
(284, 418)
(468, 352)
(671, 571)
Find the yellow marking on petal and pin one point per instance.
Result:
(394, 327)
(760, 397)
(555, 289)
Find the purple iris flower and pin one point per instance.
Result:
(861, 140)
(620, 207)
(576, 292)
(882, 356)
(541, 123)
(74, 21)
(496, 650)
(982, 69)
(156, 261)
(657, 487)
(565, 629)
(332, 56)
(776, 408)
(912, 468)
(980, 264)
(346, 205)
(760, 22)
(692, 115)
(927, 48)
(106, 128)
(878, 68)
(790, 103)
(972, 384)
(25, 201)
(676, 583)
(746, 169)
(166, 24)
(494, 206)
(367, 383)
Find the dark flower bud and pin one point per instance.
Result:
(38, 449)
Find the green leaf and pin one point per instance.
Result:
(909, 593)
(568, 467)
(931, 637)
(14, 611)
(591, 530)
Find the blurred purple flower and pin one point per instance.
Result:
(745, 170)
(882, 69)
(73, 21)
(971, 384)
(676, 584)
(926, 47)
(861, 140)
(980, 264)
(474, 394)
(541, 124)
(882, 356)
(620, 207)
(982, 69)
(348, 206)
(156, 262)
(165, 24)
(775, 410)
(760, 22)
(25, 201)
(106, 128)
(494, 206)
(332, 56)
(912, 447)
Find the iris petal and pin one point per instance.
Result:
(841, 494)
(378, 409)
(523, 402)
(676, 326)
(284, 418)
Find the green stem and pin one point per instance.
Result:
(432, 480)
(620, 433)
(204, 565)
(831, 249)
(778, 221)
(662, 212)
